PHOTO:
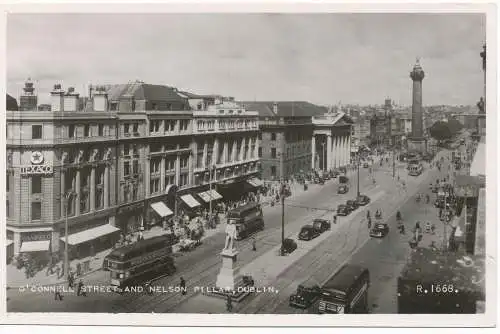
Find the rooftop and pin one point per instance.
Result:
(285, 108)
(143, 91)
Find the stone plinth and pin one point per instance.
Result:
(229, 277)
(417, 145)
(230, 282)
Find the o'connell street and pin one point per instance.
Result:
(229, 178)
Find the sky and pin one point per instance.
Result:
(322, 58)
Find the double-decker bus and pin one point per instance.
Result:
(415, 169)
(346, 291)
(248, 219)
(142, 261)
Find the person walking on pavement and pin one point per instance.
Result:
(183, 285)
(229, 304)
(71, 280)
(80, 289)
(57, 294)
(254, 245)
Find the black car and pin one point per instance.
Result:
(380, 230)
(343, 189)
(343, 210)
(366, 165)
(352, 204)
(289, 245)
(304, 297)
(362, 200)
(322, 225)
(308, 232)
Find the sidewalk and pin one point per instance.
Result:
(16, 277)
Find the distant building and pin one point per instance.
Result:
(28, 101)
(45, 107)
(11, 103)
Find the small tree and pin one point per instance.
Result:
(440, 131)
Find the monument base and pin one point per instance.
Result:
(417, 145)
(229, 281)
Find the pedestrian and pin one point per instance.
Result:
(57, 294)
(70, 280)
(78, 269)
(58, 272)
(80, 289)
(254, 245)
(183, 285)
(229, 304)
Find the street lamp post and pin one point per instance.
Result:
(324, 156)
(66, 247)
(211, 173)
(359, 160)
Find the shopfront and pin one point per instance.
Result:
(130, 218)
(89, 238)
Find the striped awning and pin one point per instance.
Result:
(35, 246)
(90, 234)
(190, 201)
(255, 182)
(162, 209)
(210, 195)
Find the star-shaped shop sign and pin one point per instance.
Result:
(36, 157)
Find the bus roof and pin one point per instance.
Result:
(245, 207)
(344, 278)
(128, 252)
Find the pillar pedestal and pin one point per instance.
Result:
(229, 281)
(417, 145)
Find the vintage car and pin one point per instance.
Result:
(343, 210)
(308, 232)
(343, 189)
(362, 200)
(304, 297)
(366, 165)
(322, 225)
(288, 246)
(380, 230)
(352, 204)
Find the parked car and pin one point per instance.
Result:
(352, 204)
(380, 230)
(319, 180)
(362, 200)
(305, 296)
(335, 173)
(288, 246)
(343, 189)
(343, 210)
(343, 179)
(366, 165)
(322, 225)
(308, 232)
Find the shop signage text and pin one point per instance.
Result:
(31, 236)
(37, 169)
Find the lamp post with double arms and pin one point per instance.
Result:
(211, 173)
(67, 197)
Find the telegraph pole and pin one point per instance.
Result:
(359, 160)
(282, 174)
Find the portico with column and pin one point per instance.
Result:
(331, 141)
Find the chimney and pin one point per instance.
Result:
(57, 99)
(126, 103)
(71, 100)
(100, 99)
(275, 108)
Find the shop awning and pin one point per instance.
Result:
(209, 195)
(35, 246)
(90, 234)
(190, 201)
(9, 242)
(255, 182)
(162, 209)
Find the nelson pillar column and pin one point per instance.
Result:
(417, 141)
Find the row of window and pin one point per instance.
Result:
(225, 124)
(168, 125)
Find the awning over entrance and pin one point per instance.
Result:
(90, 234)
(162, 209)
(190, 201)
(9, 242)
(254, 181)
(209, 195)
(35, 246)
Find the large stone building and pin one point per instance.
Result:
(133, 155)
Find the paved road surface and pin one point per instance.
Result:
(200, 267)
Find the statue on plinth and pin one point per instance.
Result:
(230, 237)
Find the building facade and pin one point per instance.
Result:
(128, 159)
